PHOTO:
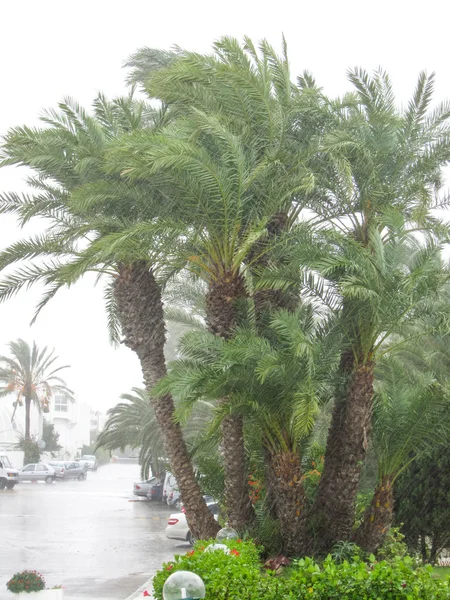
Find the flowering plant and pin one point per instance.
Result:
(26, 581)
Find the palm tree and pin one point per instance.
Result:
(31, 375)
(410, 415)
(387, 176)
(278, 384)
(133, 423)
(224, 163)
(88, 211)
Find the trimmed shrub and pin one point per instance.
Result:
(239, 576)
(224, 575)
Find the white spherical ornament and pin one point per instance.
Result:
(227, 533)
(218, 548)
(184, 585)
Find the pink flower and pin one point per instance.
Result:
(146, 593)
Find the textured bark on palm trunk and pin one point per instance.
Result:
(237, 499)
(225, 304)
(334, 507)
(289, 492)
(378, 517)
(140, 311)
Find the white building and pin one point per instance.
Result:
(63, 415)
(73, 422)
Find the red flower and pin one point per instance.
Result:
(235, 552)
(239, 541)
(169, 567)
(146, 593)
(191, 553)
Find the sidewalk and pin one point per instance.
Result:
(139, 592)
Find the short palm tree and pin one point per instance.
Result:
(278, 384)
(411, 413)
(383, 290)
(30, 374)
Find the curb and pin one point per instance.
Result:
(138, 593)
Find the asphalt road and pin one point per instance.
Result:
(91, 536)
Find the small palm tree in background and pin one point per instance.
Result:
(31, 375)
(133, 423)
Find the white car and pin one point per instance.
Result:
(170, 488)
(37, 472)
(178, 529)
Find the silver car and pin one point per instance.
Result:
(37, 472)
(66, 469)
(142, 488)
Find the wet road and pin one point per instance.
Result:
(90, 536)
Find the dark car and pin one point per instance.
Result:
(141, 488)
(155, 492)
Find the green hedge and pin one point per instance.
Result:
(238, 576)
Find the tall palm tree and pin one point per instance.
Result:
(387, 175)
(32, 376)
(410, 415)
(88, 211)
(225, 165)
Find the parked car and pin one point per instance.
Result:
(178, 529)
(155, 492)
(59, 467)
(90, 460)
(37, 472)
(170, 488)
(142, 487)
(9, 476)
(174, 499)
(69, 470)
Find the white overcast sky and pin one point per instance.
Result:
(53, 48)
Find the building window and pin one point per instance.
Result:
(61, 404)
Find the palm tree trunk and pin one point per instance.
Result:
(236, 494)
(423, 548)
(287, 484)
(378, 517)
(225, 306)
(27, 418)
(334, 507)
(435, 548)
(140, 311)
